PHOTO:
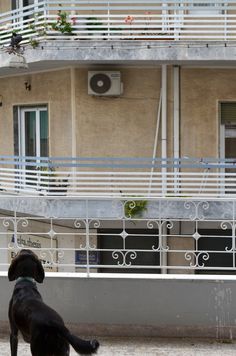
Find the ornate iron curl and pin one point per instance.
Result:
(23, 222)
(160, 223)
(196, 205)
(124, 254)
(227, 225)
(44, 255)
(78, 224)
(6, 222)
(128, 204)
(94, 224)
(190, 255)
(59, 253)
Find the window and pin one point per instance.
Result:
(17, 4)
(31, 131)
(135, 247)
(25, 14)
(219, 245)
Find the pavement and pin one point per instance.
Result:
(145, 346)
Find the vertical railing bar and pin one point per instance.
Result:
(87, 240)
(108, 19)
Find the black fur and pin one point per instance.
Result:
(40, 325)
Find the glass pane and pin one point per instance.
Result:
(28, 2)
(230, 152)
(43, 133)
(230, 147)
(30, 133)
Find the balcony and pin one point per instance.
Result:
(120, 215)
(121, 20)
(134, 33)
(122, 178)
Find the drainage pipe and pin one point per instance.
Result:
(176, 121)
(163, 227)
(164, 125)
(73, 123)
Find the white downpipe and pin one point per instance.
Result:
(164, 125)
(163, 240)
(73, 122)
(176, 119)
(155, 143)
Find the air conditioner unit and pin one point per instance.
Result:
(104, 83)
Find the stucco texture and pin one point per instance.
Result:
(122, 126)
(52, 89)
(202, 90)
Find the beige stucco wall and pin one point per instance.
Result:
(5, 5)
(201, 91)
(122, 126)
(52, 89)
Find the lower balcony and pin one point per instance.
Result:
(141, 216)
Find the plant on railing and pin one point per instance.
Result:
(148, 20)
(33, 42)
(62, 24)
(50, 182)
(37, 30)
(129, 20)
(135, 208)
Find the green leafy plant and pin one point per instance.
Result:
(62, 24)
(135, 208)
(34, 43)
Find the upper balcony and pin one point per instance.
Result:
(102, 31)
(119, 178)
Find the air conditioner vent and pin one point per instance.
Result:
(104, 83)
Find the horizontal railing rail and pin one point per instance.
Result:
(118, 177)
(121, 236)
(121, 20)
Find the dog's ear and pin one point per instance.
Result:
(22, 267)
(12, 269)
(39, 273)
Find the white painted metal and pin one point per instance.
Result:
(164, 124)
(124, 20)
(154, 153)
(74, 243)
(176, 104)
(92, 177)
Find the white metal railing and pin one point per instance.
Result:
(196, 236)
(118, 177)
(121, 20)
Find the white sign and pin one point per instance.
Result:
(41, 245)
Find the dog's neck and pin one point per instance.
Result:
(22, 279)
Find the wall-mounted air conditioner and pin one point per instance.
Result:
(104, 83)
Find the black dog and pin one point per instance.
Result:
(40, 325)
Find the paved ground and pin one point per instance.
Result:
(146, 346)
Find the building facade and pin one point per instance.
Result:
(151, 84)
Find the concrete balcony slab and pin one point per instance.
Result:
(60, 54)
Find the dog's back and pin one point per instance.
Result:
(39, 324)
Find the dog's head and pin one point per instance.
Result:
(26, 264)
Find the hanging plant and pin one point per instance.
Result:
(135, 208)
